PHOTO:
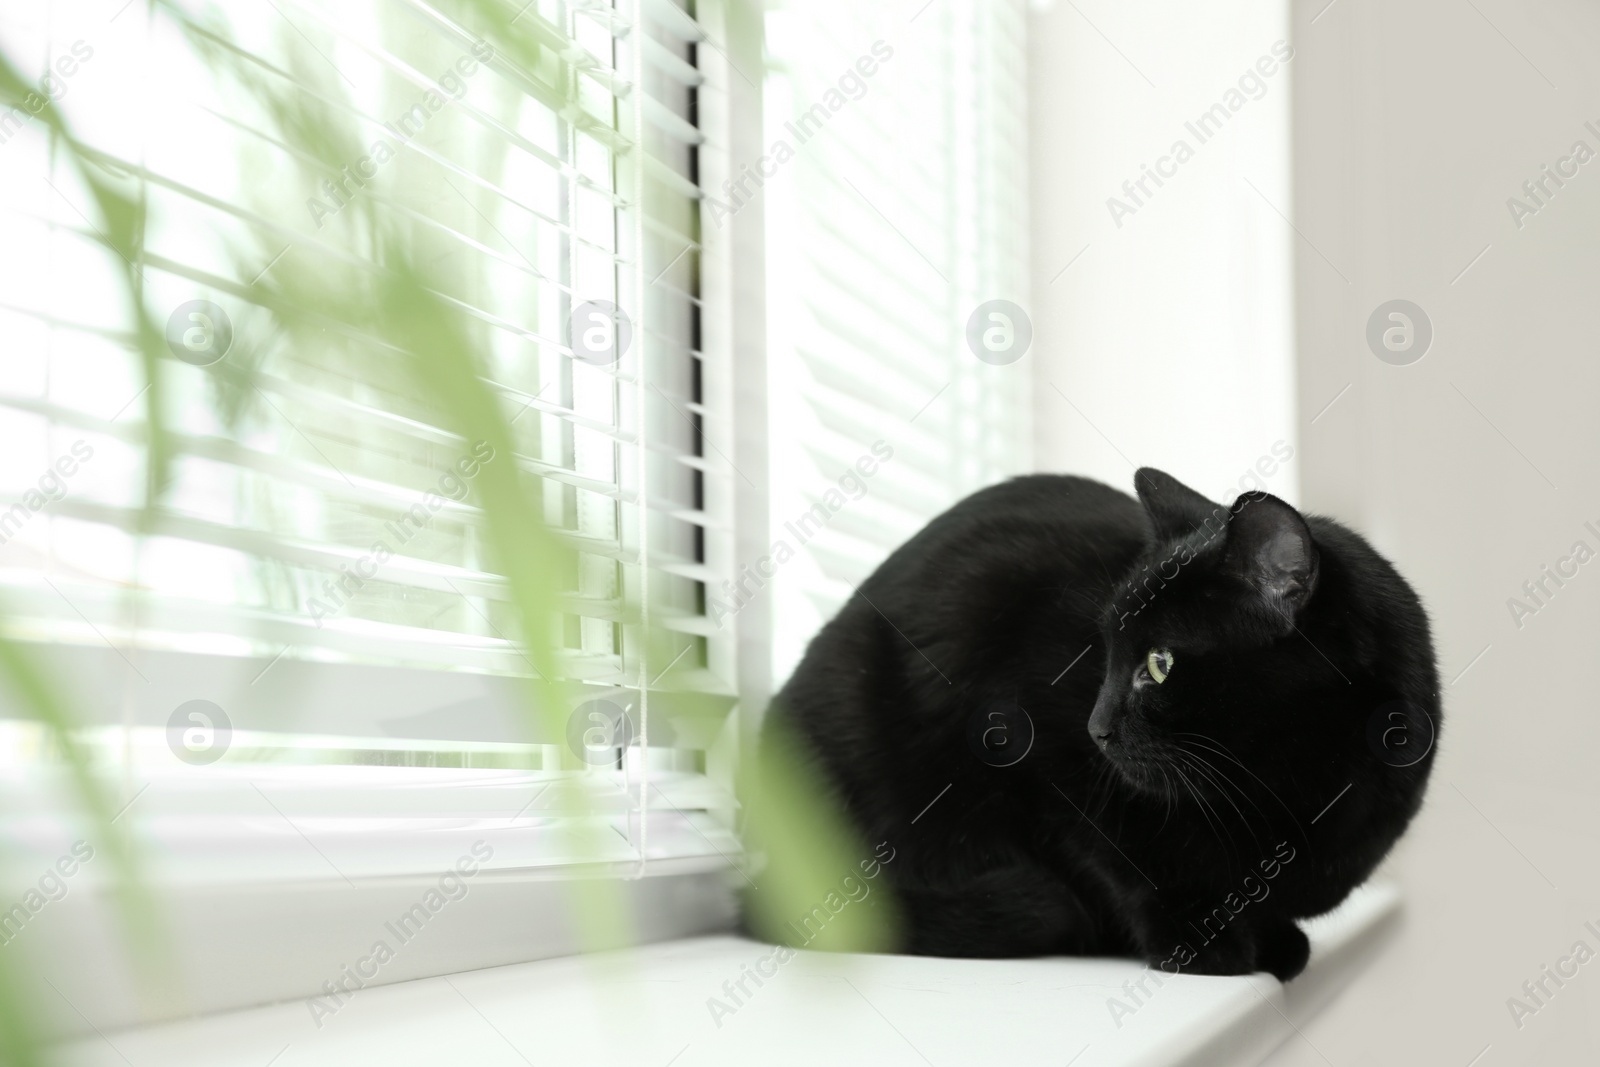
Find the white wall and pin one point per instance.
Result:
(1473, 468)
(1168, 341)
(1413, 123)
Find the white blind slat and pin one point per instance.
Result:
(300, 450)
(887, 229)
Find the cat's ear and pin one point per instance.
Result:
(1269, 547)
(1175, 510)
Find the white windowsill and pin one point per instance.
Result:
(269, 880)
(649, 1007)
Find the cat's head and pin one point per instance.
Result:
(1239, 636)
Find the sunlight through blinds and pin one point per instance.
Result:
(898, 206)
(318, 562)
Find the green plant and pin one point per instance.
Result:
(383, 309)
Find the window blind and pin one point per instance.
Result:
(897, 208)
(316, 569)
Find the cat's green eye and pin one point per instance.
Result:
(1159, 663)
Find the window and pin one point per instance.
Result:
(900, 213)
(314, 585)
(299, 659)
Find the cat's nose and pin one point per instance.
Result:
(1101, 725)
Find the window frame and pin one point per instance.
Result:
(243, 941)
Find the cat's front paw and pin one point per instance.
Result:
(1282, 950)
(1279, 948)
(1231, 952)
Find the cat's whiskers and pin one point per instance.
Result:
(1104, 788)
(1189, 788)
(1200, 803)
(1167, 792)
(1210, 773)
(1228, 780)
(1206, 810)
(1223, 751)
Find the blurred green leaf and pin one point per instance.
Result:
(808, 848)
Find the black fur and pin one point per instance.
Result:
(1186, 822)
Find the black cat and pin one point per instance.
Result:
(1094, 729)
